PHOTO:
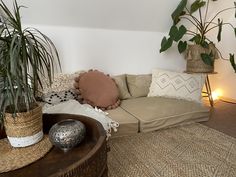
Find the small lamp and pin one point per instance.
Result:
(216, 94)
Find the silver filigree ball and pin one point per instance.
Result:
(67, 134)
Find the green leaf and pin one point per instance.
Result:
(207, 58)
(235, 32)
(204, 44)
(220, 23)
(196, 39)
(231, 58)
(235, 9)
(197, 5)
(178, 11)
(176, 34)
(165, 44)
(173, 31)
(181, 33)
(182, 46)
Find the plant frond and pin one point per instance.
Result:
(27, 56)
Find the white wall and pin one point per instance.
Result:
(115, 51)
(111, 51)
(140, 15)
(225, 80)
(135, 52)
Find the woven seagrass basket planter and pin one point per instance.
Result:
(195, 63)
(25, 129)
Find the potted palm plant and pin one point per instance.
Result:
(201, 51)
(26, 57)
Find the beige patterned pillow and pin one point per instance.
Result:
(61, 82)
(177, 85)
(122, 86)
(61, 90)
(138, 85)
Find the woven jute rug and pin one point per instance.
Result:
(187, 151)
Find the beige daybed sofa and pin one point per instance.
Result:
(139, 113)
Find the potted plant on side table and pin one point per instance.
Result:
(26, 57)
(201, 51)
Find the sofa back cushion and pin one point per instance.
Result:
(122, 86)
(138, 85)
(177, 85)
(98, 89)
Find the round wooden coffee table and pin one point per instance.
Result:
(87, 159)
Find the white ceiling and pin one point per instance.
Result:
(144, 15)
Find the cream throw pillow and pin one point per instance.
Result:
(177, 85)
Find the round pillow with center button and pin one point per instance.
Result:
(98, 89)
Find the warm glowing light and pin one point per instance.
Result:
(216, 94)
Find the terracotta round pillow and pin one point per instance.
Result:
(98, 89)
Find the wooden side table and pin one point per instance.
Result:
(87, 159)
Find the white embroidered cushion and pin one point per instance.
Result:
(177, 85)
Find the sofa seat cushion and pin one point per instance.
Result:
(157, 112)
(128, 124)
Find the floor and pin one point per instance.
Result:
(223, 118)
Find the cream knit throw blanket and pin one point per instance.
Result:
(74, 107)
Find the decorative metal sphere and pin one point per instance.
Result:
(67, 134)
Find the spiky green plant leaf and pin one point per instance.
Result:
(197, 4)
(26, 58)
(182, 46)
(178, 11)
